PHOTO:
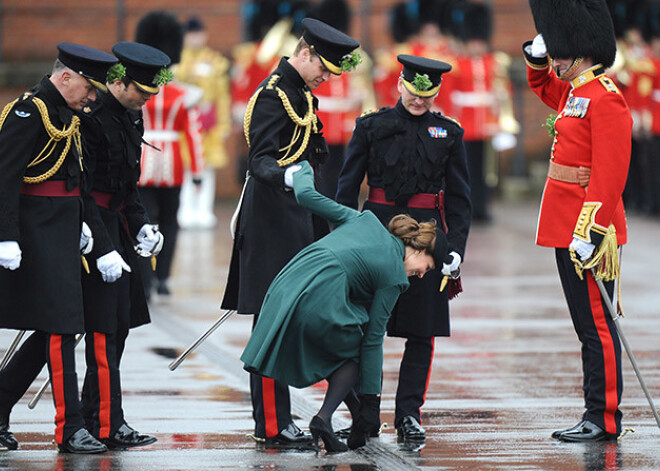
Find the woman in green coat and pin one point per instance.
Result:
(324, 315)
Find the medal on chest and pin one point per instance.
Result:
(576, 107)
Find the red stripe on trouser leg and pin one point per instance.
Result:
(270, 409)
(609, 355)
(103, 374)
(428, 376)
(57, 384)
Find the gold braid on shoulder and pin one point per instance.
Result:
(307, 122)
(71, 133)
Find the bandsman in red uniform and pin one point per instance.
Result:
(581, 213)
(41, 171)
(173, 131)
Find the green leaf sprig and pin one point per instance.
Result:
(350, 61)
(422, 82)
(163, 77)
(550, 124)
(116, 72)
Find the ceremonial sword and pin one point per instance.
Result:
(173, 366)
(624, 341)
(42, 389)
(12, 348)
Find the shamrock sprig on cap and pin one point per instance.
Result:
(350, 61)
(116, 72)
(422, 82)
(163, 77)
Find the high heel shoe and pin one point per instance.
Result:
(322, 429)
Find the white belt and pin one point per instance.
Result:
(161, 135)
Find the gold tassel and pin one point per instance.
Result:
(605, 259)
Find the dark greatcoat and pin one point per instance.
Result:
(44, 293)
(272, 227)
(406, 155)
(112, 137)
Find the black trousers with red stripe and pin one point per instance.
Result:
(101, 394)
(57, 351)
(414, 375)
(271, 404)
(601, 348)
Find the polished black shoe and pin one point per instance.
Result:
(290, 437)
(556, 433)
(585, 431)
(82, 442)
(126, 437)
(410, 429)
(7, 439)
(321, 429)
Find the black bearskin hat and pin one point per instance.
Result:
(335, 13)
(403, 22)
(576, 28)
(162, 30)
(478, 22)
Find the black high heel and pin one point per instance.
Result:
(319, 428)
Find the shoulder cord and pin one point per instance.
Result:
(309, 122)
(70, 133)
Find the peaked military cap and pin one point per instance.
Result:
(422, 76)
(146, 66)
(334, 48)
(87, 61)
(576, 28)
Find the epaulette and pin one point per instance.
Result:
(273, 80)
(448, 118)
(609, 85)
(374, 112)
(26, 95)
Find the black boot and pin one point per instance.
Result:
(410, 429)
(7, 438)
(585, 432)
(322, 429)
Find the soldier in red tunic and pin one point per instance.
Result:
(582, 210)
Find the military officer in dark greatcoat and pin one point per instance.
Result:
(113, 294)
(415, 163)
(281, 128)
(41, 241)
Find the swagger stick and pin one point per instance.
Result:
(173, 366)
(12, 348)
(43, 387)
(624, 341)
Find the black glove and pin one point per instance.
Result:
(367, 421)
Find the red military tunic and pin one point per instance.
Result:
(173, 126)
(593, 129)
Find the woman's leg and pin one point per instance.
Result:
(340, 383)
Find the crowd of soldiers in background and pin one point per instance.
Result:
(477, 92)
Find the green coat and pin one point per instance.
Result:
(331, 302)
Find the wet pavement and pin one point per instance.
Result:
(509, 375)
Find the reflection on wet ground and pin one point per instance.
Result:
(508, 376)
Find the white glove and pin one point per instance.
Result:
(150, 241)
(86, 239)
(538, 47)
(10, 254)
(111, 266)
(288, 174)
(582, 248)
(449, 268)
